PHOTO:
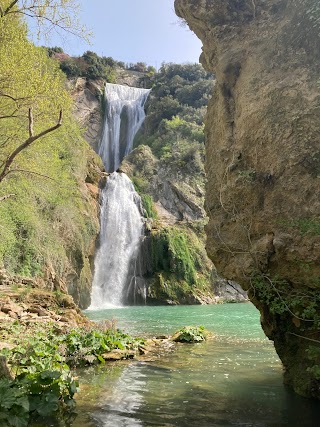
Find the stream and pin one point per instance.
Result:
(233, 379)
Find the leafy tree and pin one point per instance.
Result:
(70, 68)
(89, 65)
(53, 50)
(189, 72)
(40, 160)
(121, 64)
(196, 94)
(141, 67)
(27, 111)
(49, 15)
(91, 57)
(175, 110)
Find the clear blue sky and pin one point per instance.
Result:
(135, 30)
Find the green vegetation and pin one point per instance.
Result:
(48, 16)
(89, 65)
(147, 202)
(281, 298)
(180, 265)
(94, 67)
(175, 111)
(190, 334)
(173, 251)
(309, 226)
(142, 67)
(314, 356)
(45, 224)
(40, 360)
(298, 311)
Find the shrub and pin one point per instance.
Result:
(190, 334)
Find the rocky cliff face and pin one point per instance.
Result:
(178, 210)
(263, 165)
(175, 191)
(176, 233)
(88, 98)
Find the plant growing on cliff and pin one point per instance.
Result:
(147, 202)
(174, 124)
(302, 304)
(179, 264)
(172, 251)
(309, 226)
(314, 356)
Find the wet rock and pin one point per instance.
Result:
(118, 355)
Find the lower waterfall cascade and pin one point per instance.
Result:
(122, 224)
(115, 281)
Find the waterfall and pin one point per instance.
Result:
(124, 116)
(116, 281)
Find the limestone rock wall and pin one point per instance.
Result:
(263, 165)
(178, 204)
(88, 99)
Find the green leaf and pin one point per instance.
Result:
(54, 375)
(74, 387)
(23, 402)
(7, 398)
(18, 420)
(101, 359)
(47, 405)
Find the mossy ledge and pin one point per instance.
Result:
(181, 271)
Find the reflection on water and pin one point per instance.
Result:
(234, 379)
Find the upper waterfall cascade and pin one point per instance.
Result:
(124, 116)
(116, 280)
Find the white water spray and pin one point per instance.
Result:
(122, 224)
(124, 116)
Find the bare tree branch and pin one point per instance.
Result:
(55, 24)
(27, 143)
(30, 123)
(25, 171)
(11, 116)
(7, 196)
(305, 338)
(50, 15)
(7, 10)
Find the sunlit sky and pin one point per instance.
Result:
(133, 31)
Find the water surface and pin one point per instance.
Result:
(234, 379)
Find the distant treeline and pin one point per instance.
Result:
(175, 109)
(93, 66)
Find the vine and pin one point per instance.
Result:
(281, 297)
